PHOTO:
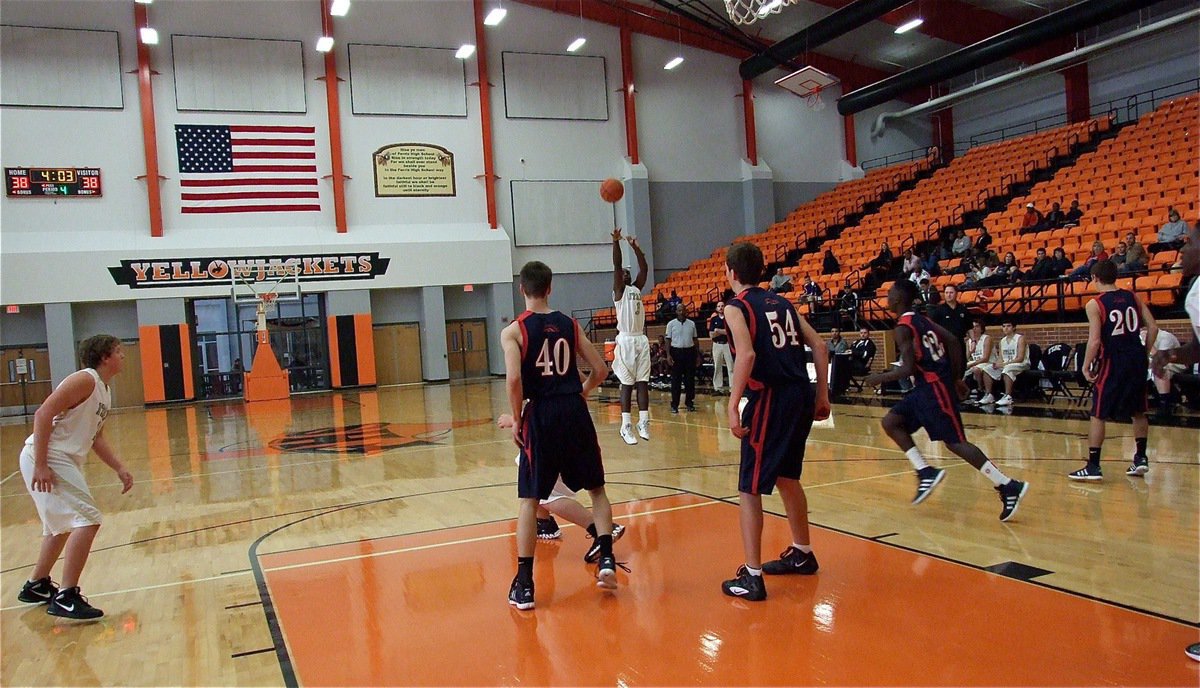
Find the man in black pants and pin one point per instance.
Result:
(682, 353)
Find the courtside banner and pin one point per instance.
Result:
(183, 272)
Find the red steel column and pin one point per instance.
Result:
(627, 87)
(149, 130)
(943, 133)
(851, 142)
(334, 113)
(1078, 97)
(485, 115)
(748, 113)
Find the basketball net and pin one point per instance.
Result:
(750, 11)
(814, 99)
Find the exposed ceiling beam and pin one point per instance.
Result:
(961, 23)
(669, 26)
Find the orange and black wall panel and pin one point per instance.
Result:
(167, 373)
(351, 350)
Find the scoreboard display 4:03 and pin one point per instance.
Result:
(52, 181)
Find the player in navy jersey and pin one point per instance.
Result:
(1115, 319)
(933, 358)
(770, 367)
(555, 432)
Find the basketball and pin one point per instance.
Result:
(612, 190)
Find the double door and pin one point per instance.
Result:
(466, 348)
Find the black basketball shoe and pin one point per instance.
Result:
(792, 561)
(547, 529)
(927, 479)
(1139, 467)
(593, 552)
(69, 604)
(1088, 472)
(520, 595)
(39, 591)
(606, 573)
(1010, 496)
(745, 586)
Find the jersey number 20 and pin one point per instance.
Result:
(556, 362)
(1124, 322)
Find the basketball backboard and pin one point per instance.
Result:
(808, 83)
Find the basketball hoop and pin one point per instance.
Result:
(750, 11)
(809, 83)
(266, 302)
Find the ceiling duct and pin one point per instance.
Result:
(820, 32)
(1066, 21)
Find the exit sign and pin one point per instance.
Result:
(12, 309)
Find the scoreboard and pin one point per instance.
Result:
(51, 181)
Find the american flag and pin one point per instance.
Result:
(247, 169)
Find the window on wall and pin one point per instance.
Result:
(226, 340)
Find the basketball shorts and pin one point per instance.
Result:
(1119, 391)
(560, 441)
(70, 504)
(779, 419)
(932, 406)
(559, 491)
(631, 359)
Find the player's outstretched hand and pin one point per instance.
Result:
(632, 241)
(505, 420)
(126, 480)
(616, 234)
(735, 420)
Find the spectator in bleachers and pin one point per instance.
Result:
(862, 352)
(1084, 272)
(927, 294)
(966, 266)
(1059, 264)
(911, 262)
(662, 308)
(847, 300)
(1041, 269)
(930, 263)
(984, 241)
(836, 344)
(982, 272)
(811, 293)
(1136, 258)
(881, 262)
(1056, 218)
(918, 274)
(1009, 269)
(1118, 256)
(1033, 221)
(1074, 214)
(962, 245)
(674, 302)
(830, 265)
(781, 283)
(1170, 237)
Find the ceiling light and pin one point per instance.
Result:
(495, 16)
(149, 35)
(675, 62)
(910, 25)
(768, 8)
(339, 8)
(143, 2)
(465, 51)
(576, 44)
(324, 44)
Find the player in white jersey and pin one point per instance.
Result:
(631, 358)
(65, 427)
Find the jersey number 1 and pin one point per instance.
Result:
(555, 362)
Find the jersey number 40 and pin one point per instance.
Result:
(554, 362)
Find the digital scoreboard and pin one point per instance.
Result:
(52, 181)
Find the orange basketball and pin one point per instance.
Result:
(611, 190)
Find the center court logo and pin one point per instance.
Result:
(369, 438)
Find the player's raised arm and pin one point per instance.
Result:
(618, 271)
(640, 281)
(587, 351)
(510, 342)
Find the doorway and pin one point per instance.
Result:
(467, 348)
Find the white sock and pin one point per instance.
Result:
(993, 474)
(626, 419)
(807, 549)
(644, 416)
(916, 459)
(753, 571)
